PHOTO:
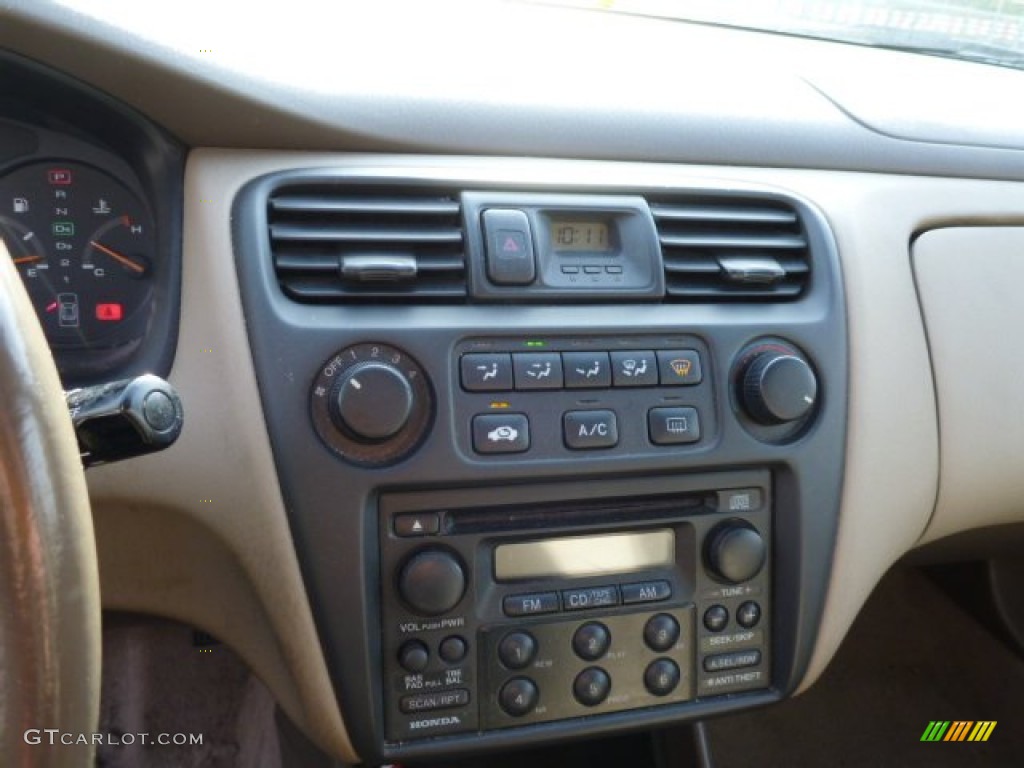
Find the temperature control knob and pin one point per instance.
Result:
(778, 387)
(432, 582)
(373, 401)
(372, 404)
(734, 551)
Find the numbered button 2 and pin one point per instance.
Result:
(591, 641)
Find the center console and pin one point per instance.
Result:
(561, 456)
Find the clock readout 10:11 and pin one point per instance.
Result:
(579, 235)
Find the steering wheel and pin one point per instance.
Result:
(49, 584)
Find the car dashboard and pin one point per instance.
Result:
(517, 414)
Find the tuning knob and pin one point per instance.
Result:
(734, 551)
(373, 401)
(432, 582)
(778, 387)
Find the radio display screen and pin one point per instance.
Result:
(578, 556)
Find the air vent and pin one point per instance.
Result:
(731, 249)
(336, 243)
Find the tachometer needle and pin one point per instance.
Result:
(27, 259)
(118, 257)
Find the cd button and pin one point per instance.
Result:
(589, 597)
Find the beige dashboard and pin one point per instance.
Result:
(199, 533)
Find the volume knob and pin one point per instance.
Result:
(432, 582)
(778, 388)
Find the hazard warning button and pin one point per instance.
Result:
(510, 259)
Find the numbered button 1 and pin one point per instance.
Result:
(591, 641)
(661, 632)
(518, 696)
(517, 649)
(591, 686)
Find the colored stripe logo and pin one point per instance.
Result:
(958, 730)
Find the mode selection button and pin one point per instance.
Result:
(537, 370)
(487, 372)
(637, 368)
(587, 370)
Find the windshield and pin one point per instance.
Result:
(990, 31)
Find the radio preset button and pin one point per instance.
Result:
(452, 649)
(635, 369)
(591, 686)
(530, 605)
(413, 656)
(518, 696)
(716, 618)
(537, 370)
(591, 641)
(748, 614)
(501, 433)
(587, 370)
(734, 660)
(679, 367)
(487, 372)
(645, 592)
(661, 632)
(661, 677)
(517, 649)
(589, 597)
(587, 430)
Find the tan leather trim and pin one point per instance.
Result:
(49, 590)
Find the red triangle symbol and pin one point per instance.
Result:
(510, 246)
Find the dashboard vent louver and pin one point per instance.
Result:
(731, 249)
(334, 243)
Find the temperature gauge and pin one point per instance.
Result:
(84, 245)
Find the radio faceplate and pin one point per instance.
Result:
(494, 616)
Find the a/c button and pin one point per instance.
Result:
(585, 430)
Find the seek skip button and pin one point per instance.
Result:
(589, 597)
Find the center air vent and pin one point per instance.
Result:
(340, 243)
(731, 248)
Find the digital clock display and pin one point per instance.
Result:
(572, 235)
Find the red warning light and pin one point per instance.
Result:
(111, 312)
(59, 176)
